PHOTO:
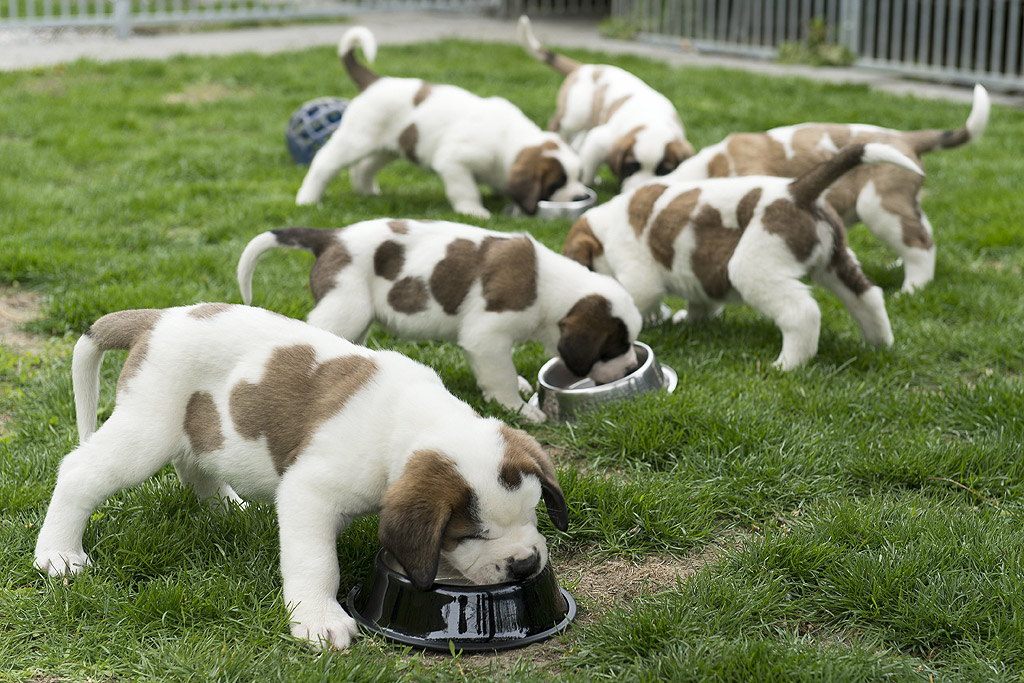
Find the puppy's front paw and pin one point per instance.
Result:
(306, 198)
(325, 629)
(473, 210)
(61, 562)
(525, 388)
(535, 415)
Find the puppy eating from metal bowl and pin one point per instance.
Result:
(574, 209)
(561, 394)
(455, 614)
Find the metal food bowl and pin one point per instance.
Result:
(455, 614)
(549, 209)
(311, 125)
(561, 394)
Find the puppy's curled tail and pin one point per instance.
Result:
(927, 140)
(314, 240)
(363, 37)
(808, 187)
(542, 54)
(115, 331)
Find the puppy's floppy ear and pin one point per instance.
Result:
(534, 177)
(582, 245)
(582, 333)
(620, 153)
(415, 511)
(523, 455)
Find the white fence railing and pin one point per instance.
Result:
(961, 41)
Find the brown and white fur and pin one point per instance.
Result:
(242, 400)
(613, 117)
(751, 239)
(483, 290)
(886, 198)
(464, 138)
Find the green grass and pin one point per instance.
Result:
(877, 495)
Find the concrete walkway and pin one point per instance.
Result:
(26, 50)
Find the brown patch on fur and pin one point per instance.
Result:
(399, 227)
(388, 259)
(621, 152)
(582, 245)
(430, 496)
(295, 396)
(407, 142)
(206, 311)
(422, 94)
(719, 167)
(843, 263)
(408, 295)
(783, 218)
(524, 456)
(125, 330)
(745, 209)
(562, 101)
(641, 204)
(714, 246)
(606, 115)
(202, 423)
(326, 268)
(534, 176)
(597, 105)
(454, 275)
(508, 273)
(667, 225)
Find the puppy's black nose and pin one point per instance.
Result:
(524, 568)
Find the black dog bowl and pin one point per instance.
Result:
(455, 613)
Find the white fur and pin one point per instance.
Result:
(763, 271)
(918, 261)
(645, 107)
(360, 298)
(343, 473)
(464, 138)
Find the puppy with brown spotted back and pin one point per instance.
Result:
(612, 117)
(481, 289)
(249, 403)
(751, 238)
(466, 139)
(886, 198)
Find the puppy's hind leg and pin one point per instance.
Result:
(363, 175)
(123, 453)
(863, 300)
(346, 310)
(216, 494)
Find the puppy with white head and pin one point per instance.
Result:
(612, 117)
(751, 238)
(886, 198)
(464, 138)
(243, 400)
(481, 289)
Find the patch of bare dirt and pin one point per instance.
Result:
(18, 307)
(204, 93)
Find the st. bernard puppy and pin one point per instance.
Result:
(751, 238)
(886, 198)
(242, 400)
(483, 290)
(464, 138)
(612, 117)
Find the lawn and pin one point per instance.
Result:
(860, 518)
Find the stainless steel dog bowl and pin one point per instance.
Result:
(549, 209)
(456, 614)
(561, 394)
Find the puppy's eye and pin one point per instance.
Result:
(629, 168)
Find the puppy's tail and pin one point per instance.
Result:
(541, 53)
(314, 240)
(114, 331)
(361, 36)
(922, 141)
(808, 187)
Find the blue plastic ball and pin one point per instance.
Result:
(311, 125)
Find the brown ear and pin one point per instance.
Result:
(523, 455)
(416, 510)
(531, 174)
(582, 245)
(621, 153)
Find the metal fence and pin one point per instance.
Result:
(960, 41)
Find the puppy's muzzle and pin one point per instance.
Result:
(520, 569)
